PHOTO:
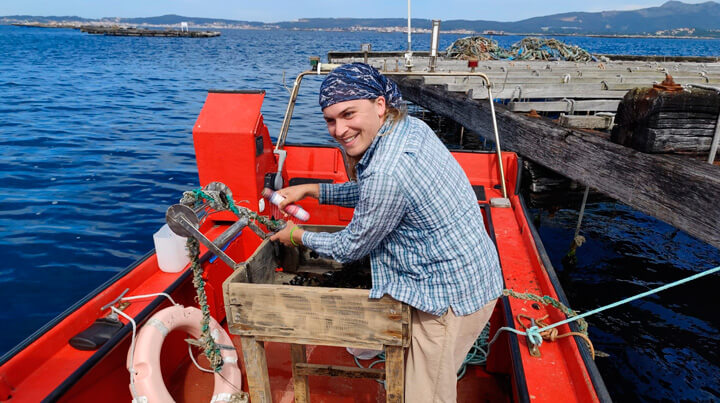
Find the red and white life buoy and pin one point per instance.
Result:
(148, 381)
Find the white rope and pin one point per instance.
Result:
(164, 294)
(192, 357)
(131, 368)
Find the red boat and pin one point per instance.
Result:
(233, 146)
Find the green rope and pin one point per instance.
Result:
(478, 352)
(533, 333)
(548, 300)
(476, 356)
(211, 349)
(223, 203)
(218, 203)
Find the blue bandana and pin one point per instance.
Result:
(357, 81)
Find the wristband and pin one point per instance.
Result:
(292, 241)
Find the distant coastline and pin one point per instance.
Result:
(401, 29)
(671, 20)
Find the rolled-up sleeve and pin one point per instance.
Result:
(339, 194)
(380, 206)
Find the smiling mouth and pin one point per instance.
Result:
(349, 140)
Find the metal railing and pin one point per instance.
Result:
(325, 68)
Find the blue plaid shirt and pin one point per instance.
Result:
(417, 217)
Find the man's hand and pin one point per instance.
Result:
(284, 235)
(296, 193)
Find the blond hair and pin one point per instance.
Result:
(394, 114)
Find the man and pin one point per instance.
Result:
(417, 217)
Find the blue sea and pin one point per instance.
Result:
(96, 142)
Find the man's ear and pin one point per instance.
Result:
(380, 105)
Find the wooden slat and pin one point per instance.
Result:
(315, 315)
(421, 59)
(606, 82)
(345, 372)
(300, 381)
(394, 374)
(602, 105)
(537, 93)
(261, 265)
(585, 122)
(256, 370)
(681, 192)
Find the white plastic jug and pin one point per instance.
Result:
(170, 249)
(363, 353)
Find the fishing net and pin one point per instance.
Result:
(532, 48)
(477, 47)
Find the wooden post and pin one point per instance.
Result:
(256, 369)
(394, 374)
(679, 191)
(300, 382)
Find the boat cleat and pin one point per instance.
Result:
(534, 339)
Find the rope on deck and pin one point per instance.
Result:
(535, 334)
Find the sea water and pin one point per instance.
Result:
(95, 143)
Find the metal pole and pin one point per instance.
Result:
(409, 40)
(497, 141)
(716, 136)
(582, 212)
(715, 141)
(434, 39)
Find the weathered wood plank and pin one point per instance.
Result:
(602, 105)
(300, 381)
(345, 372)
(260, 266)
(394, 374)
(680, 192)
(315, 315)
(256, 370)
(535, 92)
(585, 122)
(649, 120)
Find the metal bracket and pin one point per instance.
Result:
(282, 155)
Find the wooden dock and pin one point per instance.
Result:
(124, 31)
(678, 190)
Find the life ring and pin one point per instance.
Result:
(148, 379)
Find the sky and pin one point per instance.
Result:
(288, 10)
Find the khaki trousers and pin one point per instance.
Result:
(439, 346)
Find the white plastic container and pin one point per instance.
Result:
(172, 255)
(363, 353)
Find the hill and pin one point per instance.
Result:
(672, 18)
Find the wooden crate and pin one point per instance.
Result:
(260, 310)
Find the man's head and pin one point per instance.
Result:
(355, 99)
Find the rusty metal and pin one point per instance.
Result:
(668, 85)
(533, 114)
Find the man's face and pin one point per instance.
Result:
(354, 124)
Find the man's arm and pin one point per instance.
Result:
(380, 207)
(339, 194)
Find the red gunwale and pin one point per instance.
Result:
(48, 368)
